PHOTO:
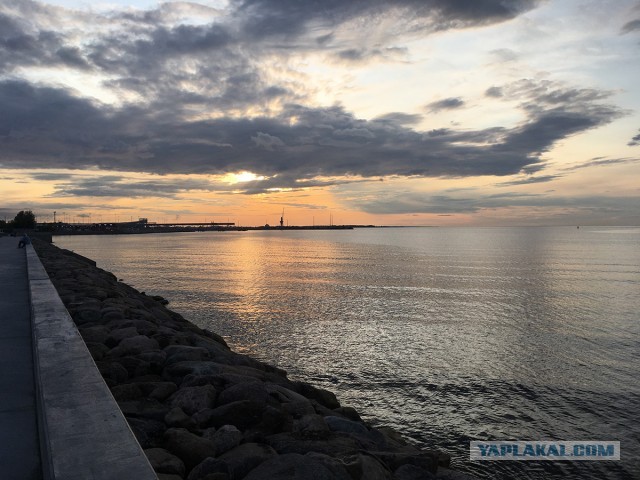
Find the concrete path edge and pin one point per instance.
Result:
(84, 435)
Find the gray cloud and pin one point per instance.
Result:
(504, 55)
(119, 186)
(634, 141)
(530, 180)
(631, 26)
(445, 104)
(45, 127)
(399, 118)
(601, 162)
(495, 92)
(287, 18)
(600, 209)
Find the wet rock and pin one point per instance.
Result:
(393, 438)
(194, 399)
(190, 448)
(348, 412)
(324, 397)
(163, 461)
(291, 466)
(294, 403)
(312, 424)
(338, 424)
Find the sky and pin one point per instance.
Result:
(404, 112)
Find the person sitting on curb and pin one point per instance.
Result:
(24, 241)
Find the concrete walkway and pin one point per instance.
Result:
(19, 443)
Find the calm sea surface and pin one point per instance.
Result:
(447, 334)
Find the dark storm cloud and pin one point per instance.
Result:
(46, 127)
(184, 72)
(217, 63)
(22, 45)
(634, 141)
(445, 104)
(288, 18)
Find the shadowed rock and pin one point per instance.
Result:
(163, 461)
(292, 466)
(191, 448)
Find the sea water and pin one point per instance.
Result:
(450, 335)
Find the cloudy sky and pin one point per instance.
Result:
(414, 112)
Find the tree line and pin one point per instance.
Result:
(24, 219)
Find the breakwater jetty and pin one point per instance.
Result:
(200, 411)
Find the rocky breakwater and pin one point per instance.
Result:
(201, 411)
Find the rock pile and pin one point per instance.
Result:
(203, 412)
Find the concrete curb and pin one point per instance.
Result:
(84, 435)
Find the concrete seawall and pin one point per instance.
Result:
(83, 433)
